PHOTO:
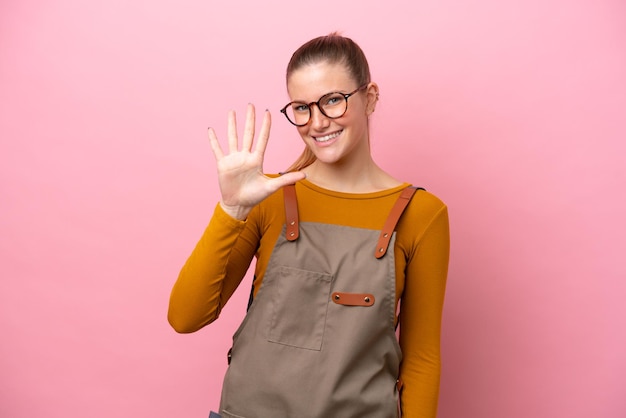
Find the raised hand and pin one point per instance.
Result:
(240, 172)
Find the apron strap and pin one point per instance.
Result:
(392, 220)
(291, 213)
(292, 219)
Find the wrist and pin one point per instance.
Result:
(237, 212)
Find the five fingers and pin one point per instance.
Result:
(248, 134)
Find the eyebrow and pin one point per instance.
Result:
(319, 97)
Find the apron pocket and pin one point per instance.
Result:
(299, 306)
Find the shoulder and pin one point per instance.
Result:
(426, 202)
(424, 210)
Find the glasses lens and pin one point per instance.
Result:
(298, 113)
(333, 105)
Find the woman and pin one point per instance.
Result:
(332, 278)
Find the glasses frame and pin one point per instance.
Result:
(317, 104)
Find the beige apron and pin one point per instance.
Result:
(319, 338)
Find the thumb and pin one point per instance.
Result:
(288, 178)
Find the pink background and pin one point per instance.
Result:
(513, 112)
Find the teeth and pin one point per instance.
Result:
(327, 137)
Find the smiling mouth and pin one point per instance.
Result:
(328, 137)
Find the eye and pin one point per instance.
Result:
(332, 100)
(300, 107)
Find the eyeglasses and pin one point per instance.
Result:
(332, 105)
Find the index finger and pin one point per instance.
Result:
(264, 133)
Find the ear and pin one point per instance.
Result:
(371, 94)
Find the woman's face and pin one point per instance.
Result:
(333, 140)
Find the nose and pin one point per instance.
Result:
(318, 119)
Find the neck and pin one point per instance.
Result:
(346, 177)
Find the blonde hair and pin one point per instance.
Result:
(334, 49)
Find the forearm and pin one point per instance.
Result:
(210, 275)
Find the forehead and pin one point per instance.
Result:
(310, 82)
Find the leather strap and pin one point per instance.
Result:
(291, 213)
(292, 219)
(392, 220)
(353, 299)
